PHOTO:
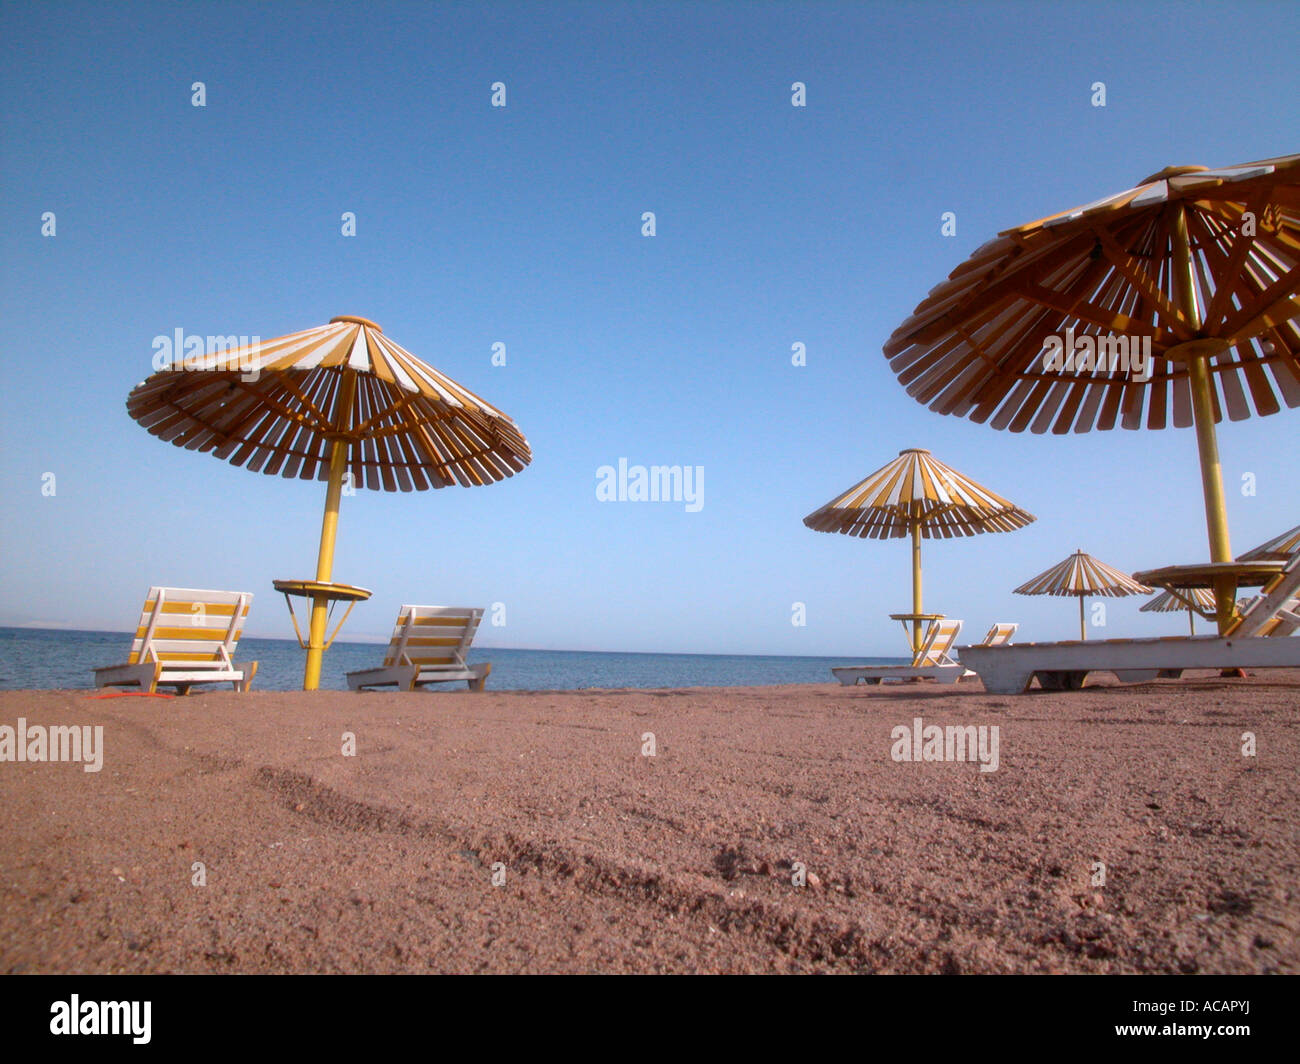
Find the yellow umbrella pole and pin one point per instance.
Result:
(1083, 631)
(328, 530)
(1198, 378)
(916, 586)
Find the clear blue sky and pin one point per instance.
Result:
(522, 225)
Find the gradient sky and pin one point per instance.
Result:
(522, 225)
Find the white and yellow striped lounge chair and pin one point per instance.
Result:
(1275, 611)
(999, 635)
(429, 645)
(932, 661)
(185, 637)
(1285, 619)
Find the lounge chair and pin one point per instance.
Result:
(999, 635)
(1285, 620)
(185, 637)
(429, 645)
(931, 662)
(1007, 670)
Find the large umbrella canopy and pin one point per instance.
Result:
(1082, 576)
(335, 400)
(1201, 267)
(1192, 599)
(1278, 549)
(279, 406)
(916, 495)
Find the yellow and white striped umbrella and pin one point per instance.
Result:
(1083, 576)
(1200, 268)
(277, 406)
(327, 403)
(1201, 599)
(917, 495)
(913, 491)
(1278, 549)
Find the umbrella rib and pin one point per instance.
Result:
(434, 459)
(1268, 221)
(256, 416)
(405, 400)
(1038, 325)
(1209, 245)
(1242, 247)
(212, 426)
(1044, 325)
(321, 423)
(974, 516)
(1086, 311)
(1023, 415)
(1277, 310)
(976, 300)
(976, 346)
(1118, 258)
(246, 412)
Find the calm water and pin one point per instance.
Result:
(43, 659)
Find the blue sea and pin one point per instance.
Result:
(39, 658)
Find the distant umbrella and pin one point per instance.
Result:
(916, 495)
(1168, 602)
(1083, 576)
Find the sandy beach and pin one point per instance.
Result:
(685, 861)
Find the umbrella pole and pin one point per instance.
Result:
(1191, 621)
(1216, 513)
(328, 530)
(324, 567)
(1083, 631)
(916, 586)
(1207, 444)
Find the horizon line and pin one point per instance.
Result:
(378, 641)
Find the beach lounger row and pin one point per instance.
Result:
(1262, 637)
(188, 637)
(932, 662)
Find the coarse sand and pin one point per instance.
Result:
(1124, 830)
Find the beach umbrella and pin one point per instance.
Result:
(1278, 549)
(1192, 599)
(917, 496)
(1198, 268)
(1083, 576)
(340, 402)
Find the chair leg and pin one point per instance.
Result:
(249, 669)
(482, 673)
